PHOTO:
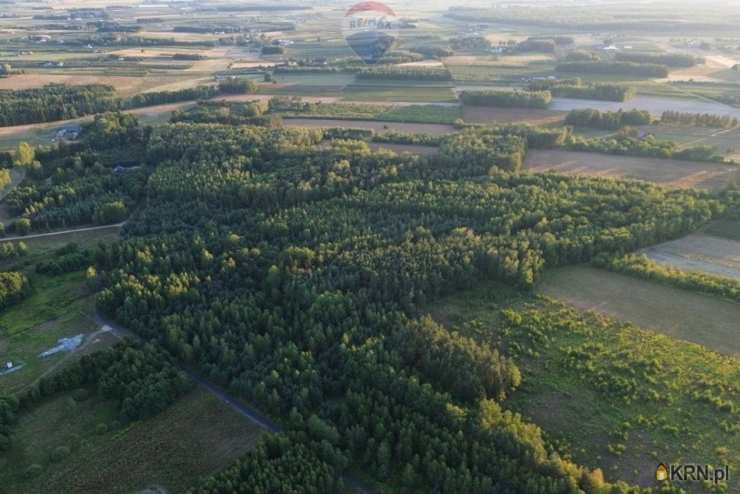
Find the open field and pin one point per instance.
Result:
(198, 435)
(433, 129)
(656, 105)
(724, 141)
(490, 115)
(671, 173)
(703, 253)
(124, 85)
(681, 314)
(724, 229)
(420, 94)
(571, 399)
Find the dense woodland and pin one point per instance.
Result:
(607, 120)
(292, 274)
(54, 102)
(575, 88)
(60, 102)
(507, 99)
(630, 142)
(698, 120)
(614, 68)
(390, 72)
(668, 59)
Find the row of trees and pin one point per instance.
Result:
(614, 68)
(165, 97)
(698, 119)
(61, 102)
(54, 102)
(507, 99)
(12, 250)
(644, 267)
(607, 120)
(668, 59)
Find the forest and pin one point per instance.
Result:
(61, 102)
(668, 59)
(575, 88)
(607, 120)
(507, 99)
(698, 120)
(643, 267)
(293, 274)
(54, 102)
(405, 73)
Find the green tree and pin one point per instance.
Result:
(24, 154)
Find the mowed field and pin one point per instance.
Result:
(670, 173)
(686, 315)
(723, 140)
(698, 252)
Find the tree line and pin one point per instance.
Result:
(292, 274)
(507, 99)
(607, 120)
(575, 88)
(668, 59)
(61, 102)
(614, 68)
(698, 119)
(644, 267)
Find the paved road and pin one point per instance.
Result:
(254, 416)
(62, 232)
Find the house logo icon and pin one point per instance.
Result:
(661, 473)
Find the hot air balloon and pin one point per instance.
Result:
(370, 29)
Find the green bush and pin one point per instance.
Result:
(33, 471)
(59, 453)
(80, 395)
